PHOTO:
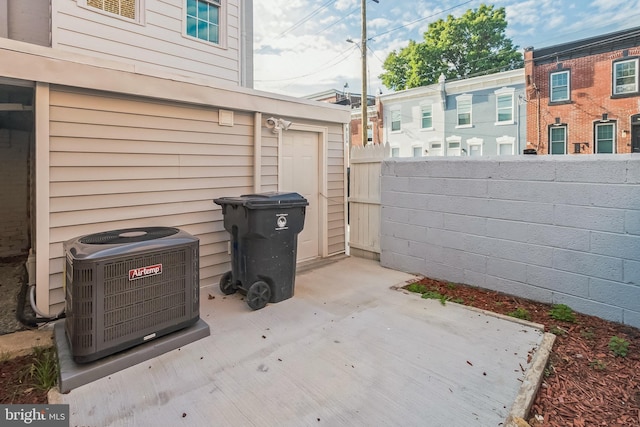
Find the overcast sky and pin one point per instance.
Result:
(300, 46)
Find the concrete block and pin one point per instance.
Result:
(404, 231)
(525, 170)
(632, 222)
(558, 237)
(507, 230)
(599, 219)
(425, 218)
(403, 200)
(474, 278)
(471, 206)
(445, 272)
(633, 169)
(615, 293)
(465, 223)
(595, 169)
(394, 214)
(474, 262)
(400, 262)
(616, 245)
(616, 196)
(445, 238)
(590, 307)
(588, 264)
(394, 183)
(418, 249)
(450, 186)
(521, 211)
(631, 272)
(558, 281)
(506, 269)
(631, 318)
(519, 289)
(510, 250)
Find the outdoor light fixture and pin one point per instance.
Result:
(605, 117)
(557, 123)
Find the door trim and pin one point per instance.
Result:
(635, 130)
(323, 142)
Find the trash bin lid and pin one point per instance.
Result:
(268, 200)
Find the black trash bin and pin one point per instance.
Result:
(264, 239)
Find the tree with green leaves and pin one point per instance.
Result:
(472, 44)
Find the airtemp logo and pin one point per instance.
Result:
(139, 273)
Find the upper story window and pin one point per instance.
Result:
(464, 110)
(625, 76)
(560, 86)
(124, 8)
(427, 117)
(557, 140)
(504, 105)
(203, 20)
(396, 120)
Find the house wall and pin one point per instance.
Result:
(411, 133)
(484, 120)
(155, 41)
(14, 175)
(26, 21)
(562, 230)
(591, 96)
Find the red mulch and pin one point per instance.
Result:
(16, 385)
(585, 384)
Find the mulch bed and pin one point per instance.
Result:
(585, 383)
(16, 385)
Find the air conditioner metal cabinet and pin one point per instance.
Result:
(126, 287)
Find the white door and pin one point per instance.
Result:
(300, 174)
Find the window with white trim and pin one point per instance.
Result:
(123, 8)
(557, 140)
(506, 145)
(396, 120)
(435, 148)
(427, 117)
(625, 76)
(560, 86)
(474, 145)
(417, 151)
(463, 103)
(203, 20)
(453, 145)
(504, 105)
(605, 136)
(395, 151)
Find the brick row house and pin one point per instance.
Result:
(583, 97)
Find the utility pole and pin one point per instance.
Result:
(364, 97)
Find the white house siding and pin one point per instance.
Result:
(156, 41)
(118, 162)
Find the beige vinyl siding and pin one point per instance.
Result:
(156, 41)
(336, 170)
(118, 162)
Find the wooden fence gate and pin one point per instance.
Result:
(364, 200)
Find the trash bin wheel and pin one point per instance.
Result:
(227, 286)
(258, 295)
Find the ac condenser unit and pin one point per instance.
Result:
(126, 287)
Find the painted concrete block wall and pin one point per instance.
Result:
(14, 217)
(558, 230)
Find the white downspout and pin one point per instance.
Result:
(257, 152)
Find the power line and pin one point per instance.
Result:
(305, 19)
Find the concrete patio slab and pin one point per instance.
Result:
(345, 350)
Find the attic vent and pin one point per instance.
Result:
(124, 8)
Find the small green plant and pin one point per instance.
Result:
(588, 334)
(557, 330)
(619, 346)
(44, 370)
(417, 288)
(458, 300)
(598, 365)
(435, 295)
(520, 313)
(562, 312)
(451, 286)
